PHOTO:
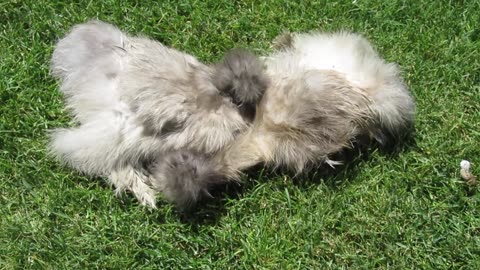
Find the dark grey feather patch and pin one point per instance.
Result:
(240, 75)
(184, 177)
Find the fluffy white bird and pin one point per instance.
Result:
(326, 90)
(142, 108)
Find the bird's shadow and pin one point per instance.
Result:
(209, 211)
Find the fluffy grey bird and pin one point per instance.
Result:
(325, 91)
(143, 108)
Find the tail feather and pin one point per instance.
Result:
(88, 61)
(83, 46)
(393, 104)
(354, 56)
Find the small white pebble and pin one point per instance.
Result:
(465, 164)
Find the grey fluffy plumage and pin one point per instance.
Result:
(136, 100)
(326, 90)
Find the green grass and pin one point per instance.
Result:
(404, 212)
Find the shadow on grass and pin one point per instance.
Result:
(209, 211)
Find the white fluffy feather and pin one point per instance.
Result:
(354, 57)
